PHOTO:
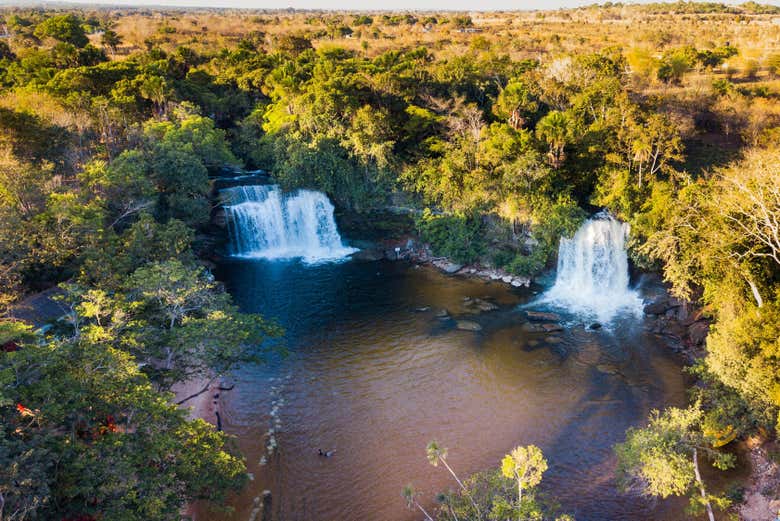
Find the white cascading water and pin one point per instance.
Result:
(265, 223)
(592, 276)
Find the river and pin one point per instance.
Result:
(374, 374)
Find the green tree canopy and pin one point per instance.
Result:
(66, 28)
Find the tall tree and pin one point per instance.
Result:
(557, 131)
(662, 459)
(111, 40)
(525, 465)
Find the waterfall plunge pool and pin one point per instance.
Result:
(370, 376)
(376, 369)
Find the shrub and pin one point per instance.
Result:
(531, 264)
(456, 236)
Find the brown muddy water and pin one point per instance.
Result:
(374, 374)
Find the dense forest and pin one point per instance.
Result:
(499, 132)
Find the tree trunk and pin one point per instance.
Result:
(640, 175)
(756, 294)
(465, 490)
(427, 516)
(453, 474)
(519, 500)
(707, 504)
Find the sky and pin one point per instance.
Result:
(462, 5)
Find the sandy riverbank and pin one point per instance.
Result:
(204, 406)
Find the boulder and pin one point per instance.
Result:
(674, 330)
(551, 328)
(697, 332)
(442, 313)
(657, 307)
(694, 316)
(219, 217)
(369, 254)
(594, 326)
(521, 282)
(541, 316)
(468, 325)
(662, 305)
(447, 266)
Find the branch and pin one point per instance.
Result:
(190, 397)
(130, 210)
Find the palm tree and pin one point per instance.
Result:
(642, 150)
(438, 454)
(410, 495)
(556, 130)
(155, 89)
(525, 465)
(111, 40)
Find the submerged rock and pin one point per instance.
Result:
(528, 327)
(607, 369)
(468, 325)
(479, 305)
(551, 328)
(594, 326)
(541, 316)
(547, 327)
(442, 313)
(484, 305)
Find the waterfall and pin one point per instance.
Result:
(263, 222)
(592, 276)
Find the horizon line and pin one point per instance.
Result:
(198, 5)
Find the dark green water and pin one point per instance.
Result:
(373, 378)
